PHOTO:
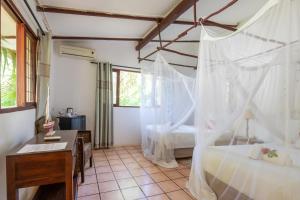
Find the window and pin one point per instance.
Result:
(8, 60)
(30, 69)
(17, 67)
(126, 88)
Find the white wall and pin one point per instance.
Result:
(73, 83)
(15, 129)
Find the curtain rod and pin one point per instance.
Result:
(175, 64)
(34, 17)
(121, 66)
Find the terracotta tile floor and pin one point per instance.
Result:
(122, 173)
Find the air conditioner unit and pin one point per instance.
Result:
(83, 53)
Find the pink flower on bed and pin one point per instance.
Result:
(265, 150)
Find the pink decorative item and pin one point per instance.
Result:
(48, 128)
(265, 150)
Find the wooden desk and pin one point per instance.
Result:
(42, 168)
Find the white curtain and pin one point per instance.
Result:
(248, 93)
(43, 72)
(167, 101)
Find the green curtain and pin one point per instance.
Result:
(103, 137)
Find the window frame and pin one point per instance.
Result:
(33, 67)
(118, 71)
(23, 29)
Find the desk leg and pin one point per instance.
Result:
(12, 193)
(12, 190)
(69, 176)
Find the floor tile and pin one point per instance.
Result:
(108, 186)
(127, 183)
(184, 172)
(189, 193)
(113, 195)
(158, 177)
(143, 180)
(134, 151)
(138, 172)
(146, 164)
(97, 151)
(132, 166)
(101, 163)
(165, 169)
(141, 159)
(113, 157)
(159, 197)
(117, 168)
(105, 177)
(181, 182)
(87, 180)
(122, 174)
(89, 171)
(152, 170)
(100, 158)
(85, 190)
(173, 174)
(111, 153)
(125, 155)
(151, 189)
(116, 162)
(103, 169)
(90, 197)
(133, 193)
(168, 186)
(100, 154)
(130, 147)
(122, 151)
(128, 160)
(179, 195)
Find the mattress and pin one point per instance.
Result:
(273, 181)
(181, 137)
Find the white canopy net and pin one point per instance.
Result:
(167, 102)
(248, 109)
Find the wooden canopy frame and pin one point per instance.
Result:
(162, 24)
(201, 21)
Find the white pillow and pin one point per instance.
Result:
(282, 157)
(255, 152)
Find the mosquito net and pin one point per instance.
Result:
(248, 109)
(167, 103)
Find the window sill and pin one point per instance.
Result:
(16, 109)
(126, 106)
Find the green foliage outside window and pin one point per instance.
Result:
(8, 78)
(130, 86)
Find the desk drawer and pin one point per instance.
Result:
(40, 168)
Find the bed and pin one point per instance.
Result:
(182, 139)
(273, 182)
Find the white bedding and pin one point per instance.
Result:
(273, 182)
(181, 137)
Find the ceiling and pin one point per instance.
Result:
(88, 26)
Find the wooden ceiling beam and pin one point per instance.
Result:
(71, 11)
(183, 6)
(58, 37)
